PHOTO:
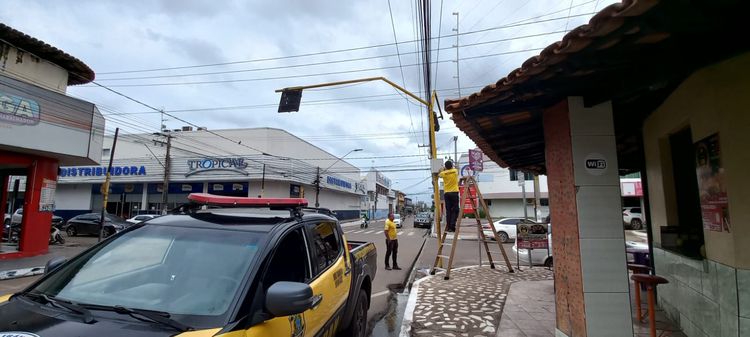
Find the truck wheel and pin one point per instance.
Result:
(358, 325)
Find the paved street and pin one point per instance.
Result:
(386, 281)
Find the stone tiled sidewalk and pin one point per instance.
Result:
(529, 310)
(469, 304)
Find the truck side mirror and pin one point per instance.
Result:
(53, 263)
(289, 298)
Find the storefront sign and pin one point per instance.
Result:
(712, 185)
(382, 180)
(468, 205)
(338, 182)
(97, 171)
(360, 187)
(18, 110)
(237, 165)
(531, 236)
(476, 160)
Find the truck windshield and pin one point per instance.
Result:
(178, 270)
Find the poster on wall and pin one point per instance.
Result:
(47, 197)
(712, 184)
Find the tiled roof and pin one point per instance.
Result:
(632, 53)
(79, 72)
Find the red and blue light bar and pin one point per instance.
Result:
(220, 200)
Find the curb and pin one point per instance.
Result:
(18, 273)
(411, 303)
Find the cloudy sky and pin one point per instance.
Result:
(217, 64)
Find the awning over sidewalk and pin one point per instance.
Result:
(633, 53)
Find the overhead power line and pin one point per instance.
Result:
(510, 25)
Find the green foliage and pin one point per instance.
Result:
(482, 215)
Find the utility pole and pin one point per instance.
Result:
(317, 187)
(165, 184)
(263, 181)
(458, 74)
(105, 186)
(455, 151)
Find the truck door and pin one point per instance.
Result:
(331, 279)
(289, 262)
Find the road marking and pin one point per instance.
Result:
(381, 293)
(369, 232)
(410, 234)
(359, 231)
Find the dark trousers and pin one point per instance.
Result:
(451, 208)
(391, 247)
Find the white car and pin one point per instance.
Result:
(140, 218)
(505, 227)
(632, 217)
(397, 220)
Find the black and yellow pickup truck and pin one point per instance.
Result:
(221, 266)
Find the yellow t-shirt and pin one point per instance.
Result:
(450, 180)
(390, 227)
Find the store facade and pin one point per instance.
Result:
(138, 179)
(33, 103)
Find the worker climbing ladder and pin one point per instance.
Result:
(467, 184)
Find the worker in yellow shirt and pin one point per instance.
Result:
(450, 186)
(391, 242)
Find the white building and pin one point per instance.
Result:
(266, 161)
(501, 189)
(380, 198)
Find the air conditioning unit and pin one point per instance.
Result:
(187, 128)
(202, 128)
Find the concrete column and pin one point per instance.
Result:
(205, 187)
(592, 292)
(144, 197)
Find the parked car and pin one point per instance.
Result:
(141, 217)
(255, 272)
(90, 224)
(397, 220)
(17, 216)
(541, 257)
(632, 217)
(423, 219)
(505, 227)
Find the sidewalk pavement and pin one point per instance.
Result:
(469, 304)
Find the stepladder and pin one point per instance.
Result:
(470, 192)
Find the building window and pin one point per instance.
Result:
(489, 202)
(105, 153)
(686, 236)
(526, 175)
(544, 202)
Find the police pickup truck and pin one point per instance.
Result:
(220, 266)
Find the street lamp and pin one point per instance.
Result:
(318, 177)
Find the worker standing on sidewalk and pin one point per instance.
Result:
(391, 243)
(450, 185)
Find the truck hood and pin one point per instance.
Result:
(18, 318)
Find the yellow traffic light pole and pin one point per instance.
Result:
(433, 148)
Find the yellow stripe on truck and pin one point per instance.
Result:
(5, 298)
